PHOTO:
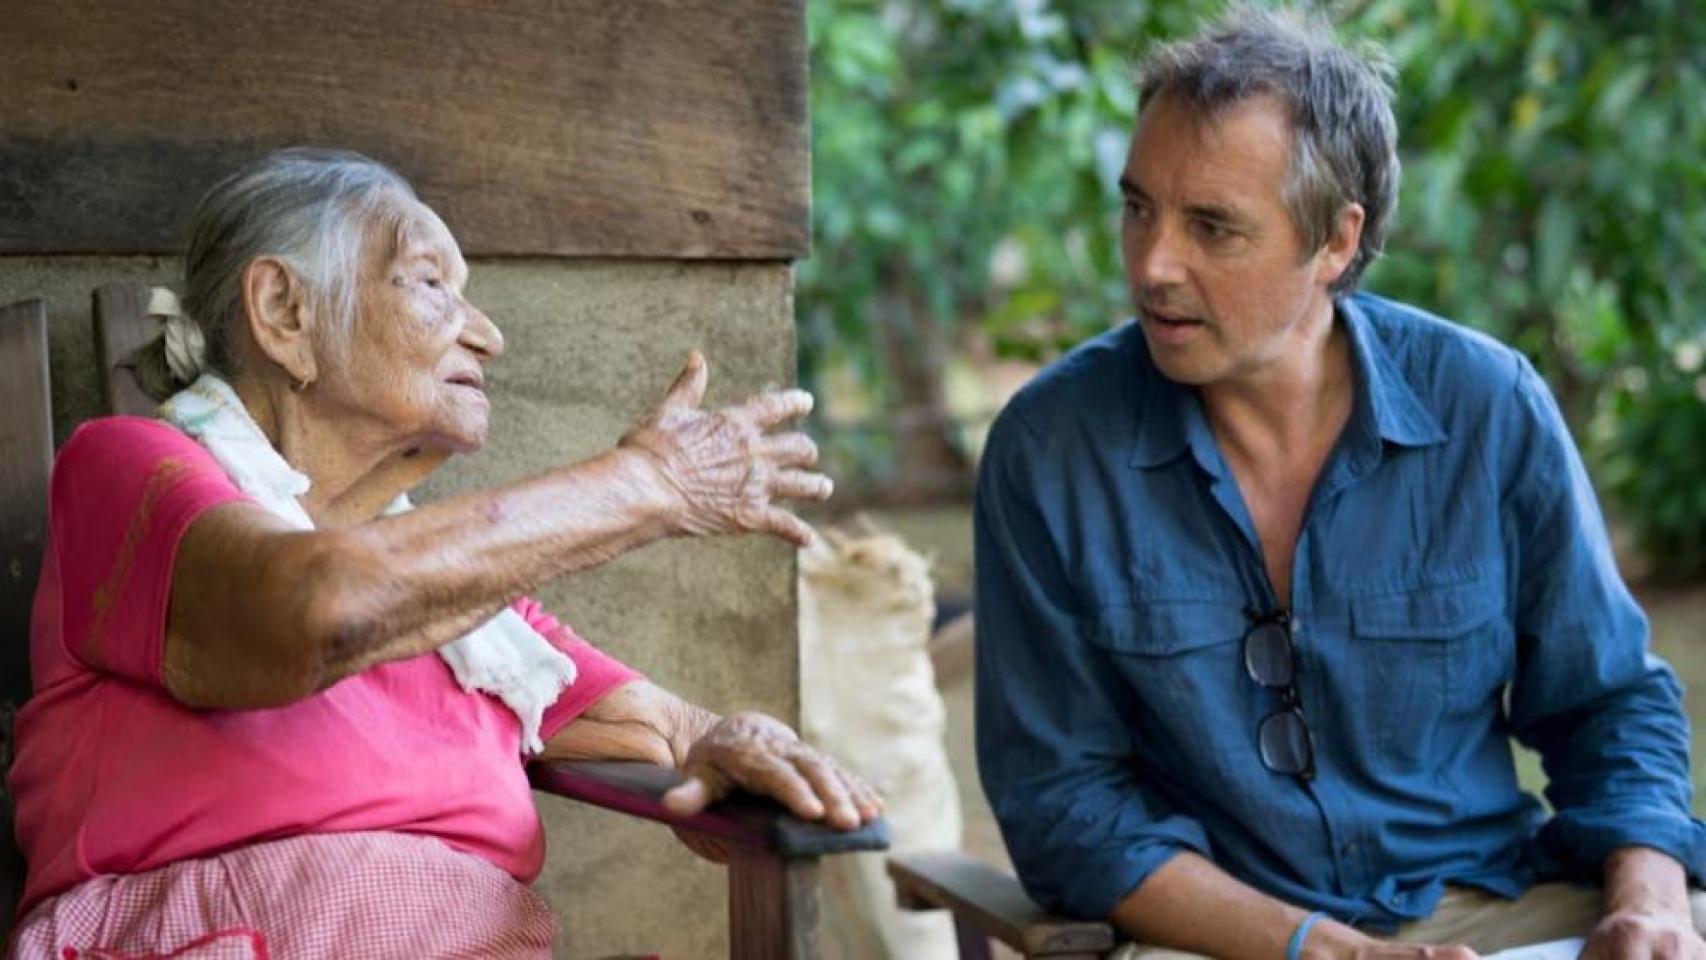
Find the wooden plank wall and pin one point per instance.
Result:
(603, 128)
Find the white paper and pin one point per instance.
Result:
(1556, 950)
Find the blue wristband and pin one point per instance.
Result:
(1294, 949)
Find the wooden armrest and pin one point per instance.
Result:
(750, 821)
(992, 903)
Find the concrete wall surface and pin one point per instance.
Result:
(591, 346)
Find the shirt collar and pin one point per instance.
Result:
(1171, 419)
(1399, 415)
(1172, 416)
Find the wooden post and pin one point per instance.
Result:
(773, 906)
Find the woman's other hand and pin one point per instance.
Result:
(759, 754)
(722, 466)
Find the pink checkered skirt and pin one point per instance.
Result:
(366, 895)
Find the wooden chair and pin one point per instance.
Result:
(773, 864)
(989, 905)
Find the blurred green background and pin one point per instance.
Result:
(965, 156)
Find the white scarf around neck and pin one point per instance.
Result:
(504, 656)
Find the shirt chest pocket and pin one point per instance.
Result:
(1427, 614)
(1434, 657)
(1181, 657)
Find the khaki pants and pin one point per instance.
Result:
(1485, 923)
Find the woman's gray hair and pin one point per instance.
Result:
(1344, 137)
(313, 209)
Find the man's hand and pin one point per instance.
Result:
(1331, 940)
(753, 752)
(1387, 950)
(1628, 935)
(1646, 910)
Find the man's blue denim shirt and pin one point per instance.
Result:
(1453, 588)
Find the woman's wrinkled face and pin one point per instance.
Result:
(415, 366)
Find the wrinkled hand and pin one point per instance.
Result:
(1634, 935)
(753, 752)
(722, 467)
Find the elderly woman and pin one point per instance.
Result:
(279, 712)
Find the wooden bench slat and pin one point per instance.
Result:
(26, 456)
(122, 326)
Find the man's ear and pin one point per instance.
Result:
(1341, 248)
(276, 304)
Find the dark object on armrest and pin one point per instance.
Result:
(988, 904)
(638, 789)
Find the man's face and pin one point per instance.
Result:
(1220, 282)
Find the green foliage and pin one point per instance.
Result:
(1652, 460)
(1554, 194)
(944, 130)
(965, 154)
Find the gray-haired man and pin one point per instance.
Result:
(1268, 580)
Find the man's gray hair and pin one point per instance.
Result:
(313, 209)
(1344, 137)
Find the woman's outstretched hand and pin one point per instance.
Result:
(723, 467)
(759, 754)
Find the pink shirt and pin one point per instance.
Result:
(114, 776)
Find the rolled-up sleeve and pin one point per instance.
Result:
(1054, 735)
(1604, 713)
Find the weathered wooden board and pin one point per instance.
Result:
(632, 128)
(26, 450)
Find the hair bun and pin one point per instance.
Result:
(186, 347)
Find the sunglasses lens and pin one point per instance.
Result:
(1267, 655)
(1284, 742)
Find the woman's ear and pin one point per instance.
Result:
(276, 304)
